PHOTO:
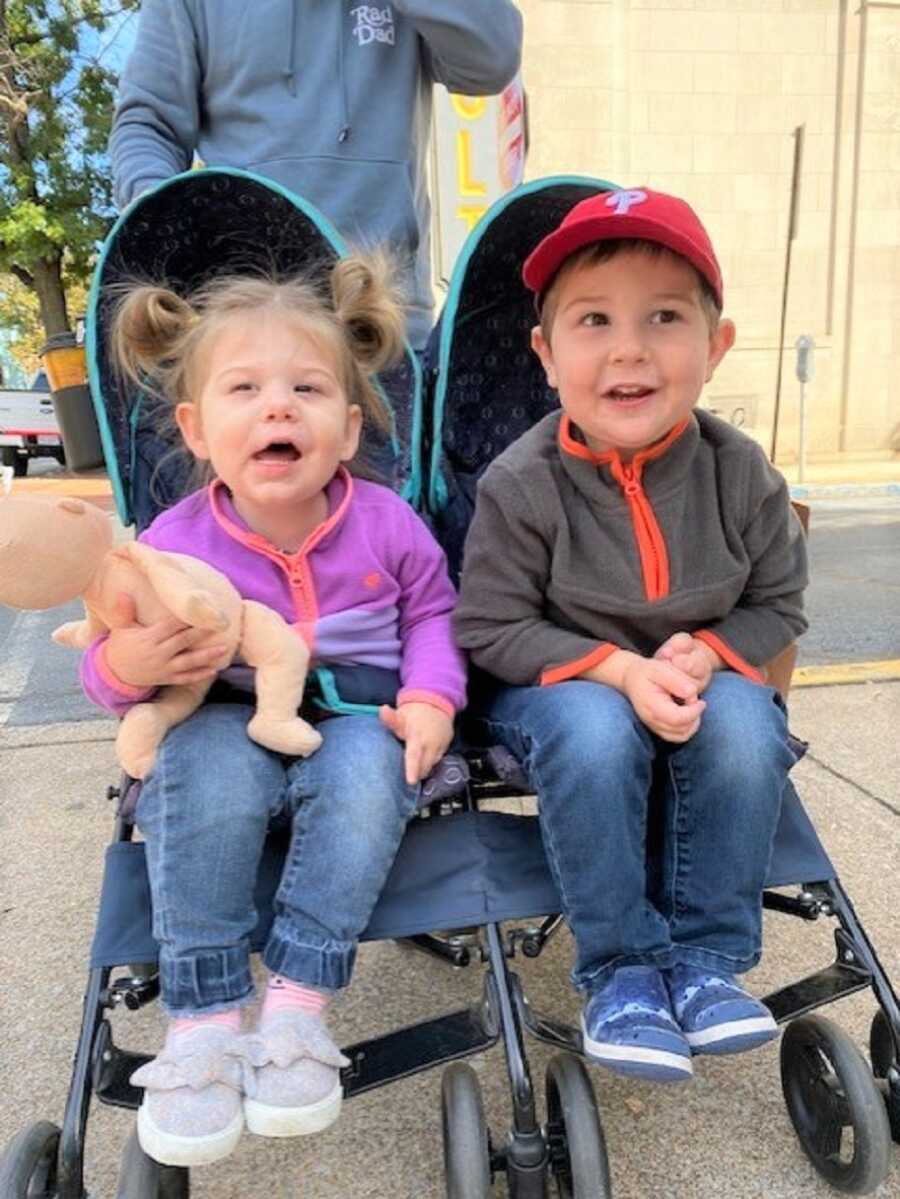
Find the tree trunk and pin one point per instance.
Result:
(47, 274)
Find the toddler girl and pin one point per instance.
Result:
(270, 383)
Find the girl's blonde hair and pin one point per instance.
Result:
(157, 335)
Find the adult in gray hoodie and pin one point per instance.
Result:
(330, 98)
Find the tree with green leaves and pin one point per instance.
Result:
(56, 105)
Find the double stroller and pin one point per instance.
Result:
(465, 865)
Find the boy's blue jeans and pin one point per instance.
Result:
(204, 812)
(595, 767)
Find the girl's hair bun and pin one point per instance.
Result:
(368, 304)
(149, 326)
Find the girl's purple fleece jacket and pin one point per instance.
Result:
(368, 587)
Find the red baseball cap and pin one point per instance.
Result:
(630, 212)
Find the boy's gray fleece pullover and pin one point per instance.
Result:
(330, 98)
(573, 554)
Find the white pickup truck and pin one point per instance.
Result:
(28, 427)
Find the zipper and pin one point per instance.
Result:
(297, 571)
(650, 541)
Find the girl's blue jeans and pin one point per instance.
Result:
(710, 805)
(204, 812)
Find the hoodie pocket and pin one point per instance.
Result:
(370, 201)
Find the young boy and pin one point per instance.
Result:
(631, 565)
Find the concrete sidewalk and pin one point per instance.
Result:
(725, 1133)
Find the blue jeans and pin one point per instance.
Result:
(204, 812)
(598, 771)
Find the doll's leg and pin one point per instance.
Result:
(281, 659)
(144, 726)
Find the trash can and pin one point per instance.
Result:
(66, 369)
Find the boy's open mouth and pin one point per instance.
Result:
(628, 393)
(277, 451)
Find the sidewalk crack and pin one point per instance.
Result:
(811, 757)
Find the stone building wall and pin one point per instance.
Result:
(702, 97)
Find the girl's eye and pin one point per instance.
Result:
(593, 319)
(665, 316)
(243, 386)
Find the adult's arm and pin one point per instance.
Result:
(474, 46)
(158, 113)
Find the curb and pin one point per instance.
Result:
(841, 673)
(821, 491)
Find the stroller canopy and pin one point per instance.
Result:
(183, 233)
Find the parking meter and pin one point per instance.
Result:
(806, 364)
(805, 369)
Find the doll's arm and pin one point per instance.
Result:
(181, 594)
(79, 634)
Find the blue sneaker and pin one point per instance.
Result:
(715, 1014)
(628, 1026)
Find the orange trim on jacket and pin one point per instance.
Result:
(730, 656)
(571, 670)
(650, 541)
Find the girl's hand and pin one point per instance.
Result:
(427, 732)
(665, 699)
(694, 657)
(160, 654)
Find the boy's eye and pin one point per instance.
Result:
(665, 316)
(592, 319)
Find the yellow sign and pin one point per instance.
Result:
(479, 153)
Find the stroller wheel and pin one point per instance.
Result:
(578, 1158)
(835, 1105)
(467, 1146)
(140, 1177)
(883, 1055)
(28, 1164)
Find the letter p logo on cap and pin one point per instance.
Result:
(623, 200)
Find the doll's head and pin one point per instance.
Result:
(50, 549)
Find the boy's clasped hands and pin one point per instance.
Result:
(664, 690)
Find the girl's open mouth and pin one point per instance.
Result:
(279, 452)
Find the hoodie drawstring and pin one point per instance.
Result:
(344, 131)
(288, 72)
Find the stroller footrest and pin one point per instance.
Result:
(112, 1070)
(834, 982)
(418, 1047)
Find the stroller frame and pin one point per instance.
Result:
(532, 1152)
